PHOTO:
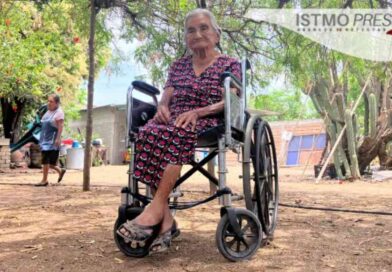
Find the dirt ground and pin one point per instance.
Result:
(61, 228)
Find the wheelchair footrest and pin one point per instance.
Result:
(176, 194)
(237, 197)
(184, 205)
(187, 205)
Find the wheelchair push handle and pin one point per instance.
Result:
(145, 88)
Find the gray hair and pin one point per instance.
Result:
(55, 97)
(205, 12)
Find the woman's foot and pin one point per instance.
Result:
(61, 175)
(42, 184)
(163, 241)
(133, 232)
(142, 227)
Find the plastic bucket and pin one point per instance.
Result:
(75, 158)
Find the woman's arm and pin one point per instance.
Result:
(166, 97)
(190, 117)
(60, 126)
(211, 109)
(214, 108)
(163, 113)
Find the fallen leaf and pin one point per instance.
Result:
(86, 241)
(30, 248)
(117, 260)
(95, 254)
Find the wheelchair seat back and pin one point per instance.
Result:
(141, 113)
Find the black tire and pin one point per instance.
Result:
(246, 246)
(262, 189)
(138, 252)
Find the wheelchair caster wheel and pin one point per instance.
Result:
(243, 245)
(129, 249)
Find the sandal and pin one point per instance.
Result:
(41, 184)
(138, 233)
(162, 243)
(175, 231)
(63, 170)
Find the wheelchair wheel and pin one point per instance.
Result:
(261, 189)
(126, 248)
(234, 247)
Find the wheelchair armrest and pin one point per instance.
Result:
(145, 88)
(236, 83)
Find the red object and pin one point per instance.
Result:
(15, 108)
(389, 32)
(59, 89)
(67, 141)
(7, 22)
(76, 40)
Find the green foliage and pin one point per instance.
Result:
(37, 55)
(160, 30)
(290, 104)
(43, 50)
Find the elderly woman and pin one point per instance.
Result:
(52, 124)
(191, 102)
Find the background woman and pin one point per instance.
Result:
(50, 140)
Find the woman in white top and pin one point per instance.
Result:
(52, 124)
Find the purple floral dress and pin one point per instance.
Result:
(158, 145)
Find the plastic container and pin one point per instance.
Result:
(67, 142)
(76, 144)
(63, 150)
(75, 158)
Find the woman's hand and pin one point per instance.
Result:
(186, 118)
(163, 115)
(57, 142)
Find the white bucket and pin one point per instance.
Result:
(75, 158)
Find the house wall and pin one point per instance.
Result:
(119, 145)
(283, 132)
(109, 125)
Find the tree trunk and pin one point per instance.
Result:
(11, 115)
(90, 100)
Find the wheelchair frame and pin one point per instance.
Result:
(258, 149)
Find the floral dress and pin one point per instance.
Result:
(158, 145)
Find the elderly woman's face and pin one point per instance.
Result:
(200, 34)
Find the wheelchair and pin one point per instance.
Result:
(241, 231)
